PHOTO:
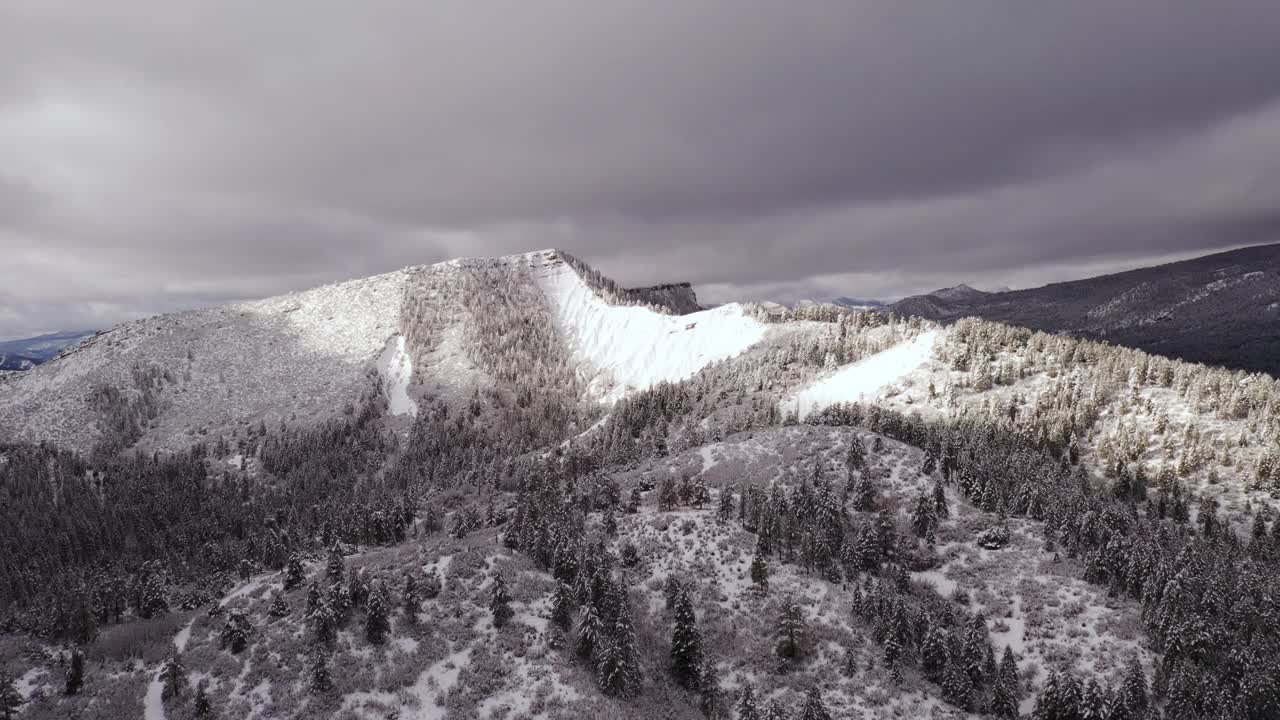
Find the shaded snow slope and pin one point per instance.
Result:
(865, 379)
(627, 348)
(299, 355)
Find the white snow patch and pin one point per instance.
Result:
(632, 348)
(433, 684)
(396, 368)
(866, 378)
(27, 684)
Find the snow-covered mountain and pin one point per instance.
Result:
(309, 354)
(509, 488)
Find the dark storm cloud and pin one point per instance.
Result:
(159, 152)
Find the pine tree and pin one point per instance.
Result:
(154, 601)
(724, 513)
(1093, 705)
(294, 572)
(377, 621)
(701, 494)
(856, 459)
(562, 606)
(1006, 694)
(813, 708)
(933, 651)
(746, 707)
(923, 519)
(668, 496)
(940, 506)
(850, 663)
(893, 657)
(671, 591)
(313, 600)
(236, 630)
(774, 711)
(711, 700)
(174, 676)
(957, 687)
(1134, 687)
(686, 644)
(279, 607)
(411, 598)
(591, 631)
(790, 633)
(321, 678)
(618, 665)
(324, 621)
(75, 673)
(202, 707)
(10, 699)
(760, 573)
(864, 493)
(336, 566)
(500, 601)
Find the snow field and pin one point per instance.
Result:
(632, 348)
(866, 379)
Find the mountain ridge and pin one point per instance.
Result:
(1220, 309)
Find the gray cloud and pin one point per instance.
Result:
(172, 152)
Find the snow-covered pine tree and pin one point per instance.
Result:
(74, 679)
(774, 711)
(336, 566)
(790, 633)
(294, 572)
(1006, 693)
(814, 708)
(591, 631)
(201, 706)
(236, 630)
(711, 698)
(760, 572)
(686, 644)
(864, 493)
(174, 676)
(411, 598)
(321, 676)
(500, 601)
(563, 606)
(922, 518)
(668, 496)
(724, 511)
(377, 620)
(618, 661)
(747, 707)
(279, 606)
(941, 508)
(1134, 687)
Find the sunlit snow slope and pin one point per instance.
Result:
(630, 348)
(865, 379)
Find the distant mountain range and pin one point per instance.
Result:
(26, 353)
(1221, 309)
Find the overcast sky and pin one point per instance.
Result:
(157, 155)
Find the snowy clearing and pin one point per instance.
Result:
(396, 368)
(633, 348)
(864, 379)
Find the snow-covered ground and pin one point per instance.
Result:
(632, 348)
(866, 379)
(396, 368)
